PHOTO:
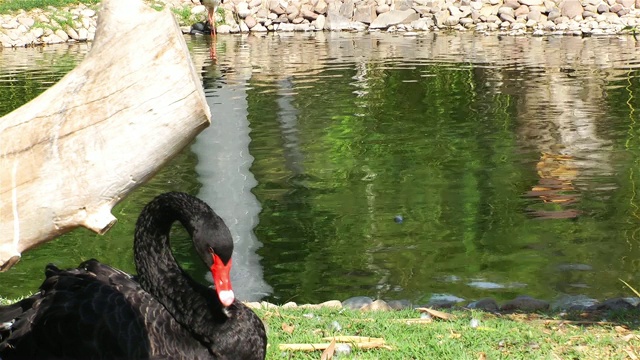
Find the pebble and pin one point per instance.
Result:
(511, 17)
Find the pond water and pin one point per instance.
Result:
(394, 167)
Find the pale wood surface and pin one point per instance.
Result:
(68, 156)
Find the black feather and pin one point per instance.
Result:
(98, 312)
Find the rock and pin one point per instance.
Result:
(365, 13)
(335, 304)
(72, 34)
(62, 35)
(274, 7)
(357, 302)
(378, 305)
(321, 7)
(441, 18)
(223, 29)
(320, 22)
(532, 2)
(347, 8)
(308, 14)
(486, 304)
(571, 8)
(525, 303)
(522, 10)
(242, 9)
(394, 17)
(628, 3)
(88, 13)
(250, 21)
(399, 304)
(404, 4)
(514, 4)
(289, 305)
(381, 9)
(553, 14)
(534, 15)
(616, 304)
(198, 9)
(575, 302)
(26, 21)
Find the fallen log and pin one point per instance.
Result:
(68, 156)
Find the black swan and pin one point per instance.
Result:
(96, 311)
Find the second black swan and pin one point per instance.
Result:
(96, 311)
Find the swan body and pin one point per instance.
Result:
(98, 312)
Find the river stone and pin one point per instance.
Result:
(405, 4)
(571, 8)
(399, 304)
(522, 10)
(514, 4)
(335, 304)
(320, 22)
(365, 13)
(616, 304)
(378, 305)
(441, 18)
(394, 17)
(573, 302)
(26, 21)
(289, 305)
(321, 7)
(553, 14)
(486, 304)
(242, 9)
(525, 303)
(532, 2)
(250, 21)
(507, 18)
(347, 8)
(72, 34)
(336, 22)
(534, 15)
(357, 302)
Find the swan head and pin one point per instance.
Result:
(214, 243)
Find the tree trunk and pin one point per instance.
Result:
(68, 156)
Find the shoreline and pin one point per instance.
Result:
(409, 17)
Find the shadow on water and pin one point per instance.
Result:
(512, 162)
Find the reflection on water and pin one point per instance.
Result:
(223, 170)
(513, 161)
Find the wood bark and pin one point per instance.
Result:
(68, 156)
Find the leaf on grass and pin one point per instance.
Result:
(482, 356)
(327, 354)
(288, 328)
(455, 335)
(631, 354)
(436, 313)
(621, 330)
(416, 321)
(353, 339)
(323, 346)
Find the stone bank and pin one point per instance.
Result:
(510, 17)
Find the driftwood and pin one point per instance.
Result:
(68, 156)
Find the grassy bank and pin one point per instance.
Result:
(462, 334)
(467, 335)
(8, 6)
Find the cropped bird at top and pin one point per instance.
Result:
(96, 311)
(212, 7)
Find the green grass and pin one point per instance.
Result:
(9, 6)
(529, 336)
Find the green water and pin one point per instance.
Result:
(512, 175)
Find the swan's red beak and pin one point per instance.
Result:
(222, 280)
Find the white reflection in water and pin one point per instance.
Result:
(223, 170)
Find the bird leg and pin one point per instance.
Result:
(212, 24)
